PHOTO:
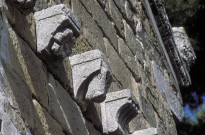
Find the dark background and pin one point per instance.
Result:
(191, 15)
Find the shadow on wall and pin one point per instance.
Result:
(42, 102)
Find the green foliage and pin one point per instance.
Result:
(200, 114)
(185, 13)
(192, 126)
(180, 11)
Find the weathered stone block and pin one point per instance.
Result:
(19, 94)
(147, 32)
(102, 2)
(125, 9)
(8, 128)
(91, 75)
(131, 39)
(56, 29)
(137, 123)
(6, 125)
(139, 30)
(44, 123)
(118, 66)
(134, 4)
(27, 65)
(148, 111)
(153, 95)
(16, 19)
(15, 96)
(166, 90)
(16, 107)
(116, 16)
(128, 11)
(81, 46)
(91, 129)
(121, 5)
(19, 59)
(148, 131)
(117, 110)
(128, 58)
(102, 20)
(115, 86)
(184, 46)
(90, 29)
(93, 114)
(64, 109)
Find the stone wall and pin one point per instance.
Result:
(37, 91)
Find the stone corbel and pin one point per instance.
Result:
(184, 46)
(91, 76)
(117, 110)
(56, 30)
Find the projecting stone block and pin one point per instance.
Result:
(167, 91)
(91, 76)
(184, 46)
(117, 110)
(56, 30)
(149, 131)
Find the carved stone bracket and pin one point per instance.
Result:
(117, 110)
(91, 76)
(184, 46)
(148, 131)
(56, 30)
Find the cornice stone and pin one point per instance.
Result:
(166, 33)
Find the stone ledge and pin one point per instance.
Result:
(166, 33)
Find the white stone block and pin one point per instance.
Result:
(91, 76)
(117, 110)
(56, 30)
